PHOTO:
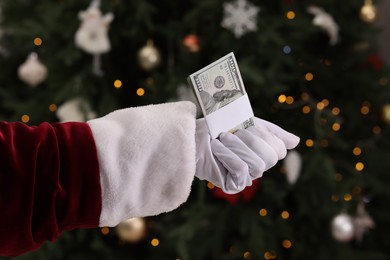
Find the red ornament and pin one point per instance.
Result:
(246, 195)
(192, 42)
(375, 61)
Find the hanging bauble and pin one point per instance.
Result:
(75, 110)
(149, 56)
(132, 230)
(293, 165)
(363, 222)
(240, 17)
(92, 35)
(386, 114)
(368, 12)
(192, 42)
(32, 71)
(246, 195)
(342, 227)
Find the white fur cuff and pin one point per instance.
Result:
(146, 159)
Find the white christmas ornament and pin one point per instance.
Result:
(326, 22)
(92, 35)
(363, 222)
(75, 110)
(342, 228)
(240, 17)
(32, 71)
(293, 165)
(149, 57)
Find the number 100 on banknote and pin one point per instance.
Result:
(221, 94)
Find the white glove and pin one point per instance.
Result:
(232, 161)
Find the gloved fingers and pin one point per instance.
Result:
(238, 176)
(259, 147)
(276, 143)
(290, 140)
(230, 186)
(255, 163)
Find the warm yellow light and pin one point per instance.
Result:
(37, 41)
(282, 98)
(155, 242)
(309, 142)
(306, 109)
(335, 198)
(376, 130)
(210, 185)
(357, 151)
(325, 102)
(320, 105)
(140, 92)
(336, 111)
(336, 127)
(359, 166)
(105, 230)
(365, 110)
(347, 197)
(25, 118)
(247, 255)
(269, 255)
(286, 243)
(289, 100)
(263, 212)
(53, 107)
(285, 215)
(290, 15)
(117, 83)
(309, 76)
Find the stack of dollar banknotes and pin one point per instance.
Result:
(221, 94)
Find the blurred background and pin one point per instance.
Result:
(317, 68)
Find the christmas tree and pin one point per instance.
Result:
(311, 68)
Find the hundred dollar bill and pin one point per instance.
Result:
(218, 85)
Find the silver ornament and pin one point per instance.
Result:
(149, 57)
(342, 227)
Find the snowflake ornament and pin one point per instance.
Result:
(240, 17)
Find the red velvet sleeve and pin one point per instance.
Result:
(49, 182)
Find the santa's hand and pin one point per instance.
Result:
(232, 161)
